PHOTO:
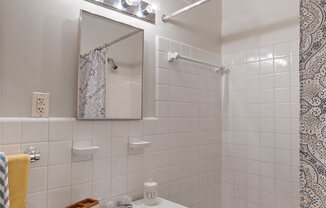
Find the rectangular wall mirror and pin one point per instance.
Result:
(110, 74)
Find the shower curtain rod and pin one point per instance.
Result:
(112, 42)
(165, 18)
(175, 55)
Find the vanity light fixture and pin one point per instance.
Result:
(149, 10)
(135, 8)
(127, 3)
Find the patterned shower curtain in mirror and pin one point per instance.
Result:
(92, 85)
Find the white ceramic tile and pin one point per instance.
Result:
(120, 128)
(281, 65)
(101, 129)
(266, 52)
(80, 192)
(60, 152)
(119, 146)
(37, 180)
(185, 50)
(118, 185)
(162, 60)
(174, 46)
(266, 67)
(282, 95)
(101, 168)
(34, 130)
(162, 76)
(82, 129)
(119, 166)
(60, 129)
(81, 172)
(267, 81)
(10, 149)
(101, 189)
(59, 197)
(135, 128)
(10, 130)
(36, 200)
(105, 148)
(282, 49)
(59, 176)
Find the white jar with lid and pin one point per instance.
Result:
(150, 193)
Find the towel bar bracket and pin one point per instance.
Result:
(34, 153)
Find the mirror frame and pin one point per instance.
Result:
(79, 48)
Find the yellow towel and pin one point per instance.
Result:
(18, 171)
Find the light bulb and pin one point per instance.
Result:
(149, 10)
(132, 2)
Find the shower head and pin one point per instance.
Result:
(113, 66)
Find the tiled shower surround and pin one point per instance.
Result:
(261, 128)
(184, 156)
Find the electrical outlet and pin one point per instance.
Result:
(40, 105)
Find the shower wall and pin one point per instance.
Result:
(260, 41)
(260, 128)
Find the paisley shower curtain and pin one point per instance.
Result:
(92, 85)
(313, 104)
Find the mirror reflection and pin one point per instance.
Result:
(110, 69)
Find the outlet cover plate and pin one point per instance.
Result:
(40, 105)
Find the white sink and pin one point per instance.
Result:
(162, 203)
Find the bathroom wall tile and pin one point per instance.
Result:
(162, 60)
(81, 172)
(59, 176)
(37, 180)
(120, 128)
(34, 130)
(80, 192)
(60, 129)
(101, 129)
(10, 130)
(10, 149)
(282, 80)
(105, 148)
(162, 76)
(174, 46)
(282, 65)
(282, 49)
(266, 67)
(82, 129)
(135, 182)
(185, 50)
(59, 197)
(135, 128)
(101, 189)
(36, 200)
(266, 53)
(119, 146)
(118, 185)
(119, 166)
(101, 168)
(60, 152)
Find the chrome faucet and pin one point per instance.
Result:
(125, 202)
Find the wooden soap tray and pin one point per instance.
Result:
(86, 203)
